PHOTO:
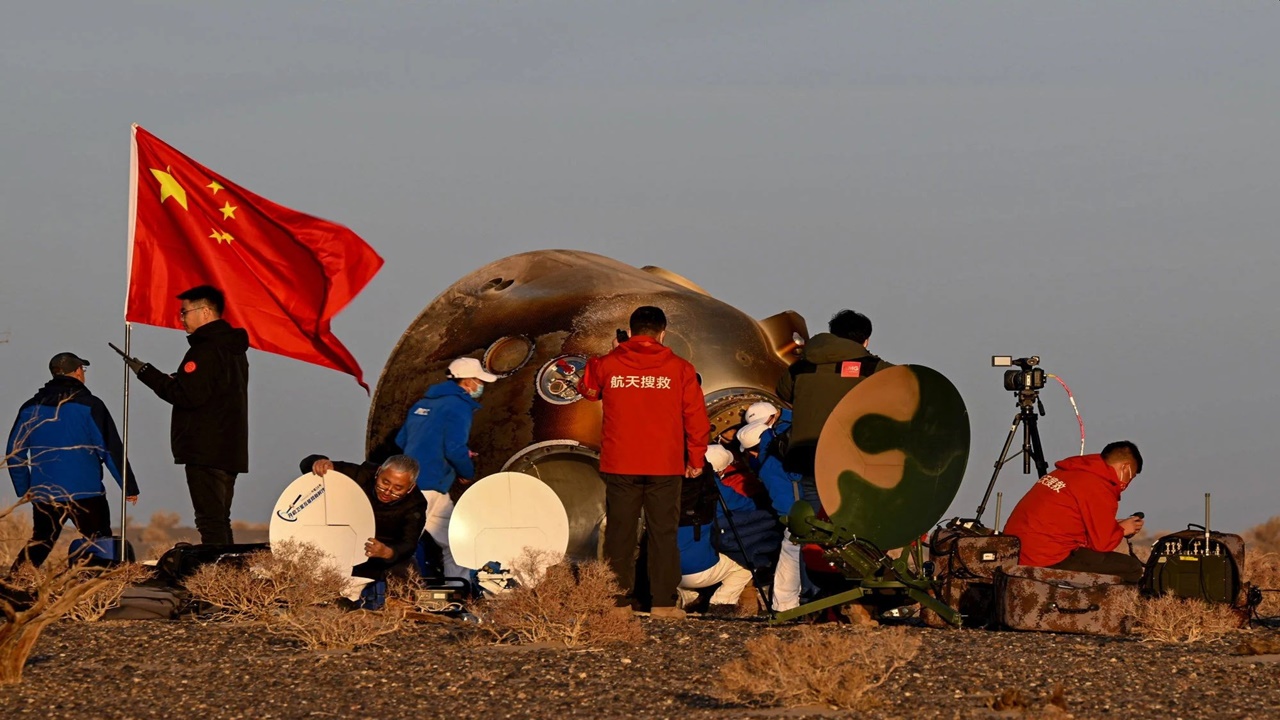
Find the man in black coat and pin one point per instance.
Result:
(209, 430)
(399, 510)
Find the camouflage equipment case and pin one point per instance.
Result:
(965, 575)
(1065, 601)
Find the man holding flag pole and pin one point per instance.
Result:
(195, 236)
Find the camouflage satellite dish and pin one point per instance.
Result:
(892, 454)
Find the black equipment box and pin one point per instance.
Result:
(1195, 564)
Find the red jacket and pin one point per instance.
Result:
(1072, 507)
(655, 420)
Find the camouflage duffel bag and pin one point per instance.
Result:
(966, 576)
(1065, 601)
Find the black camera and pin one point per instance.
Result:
(1028, 378)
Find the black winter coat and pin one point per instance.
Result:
(210, 398)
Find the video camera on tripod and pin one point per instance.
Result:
(1025, 382)
(1029, 379)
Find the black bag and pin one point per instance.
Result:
(698, 500)
(183, 559)
(1186, 565)
(146, 603)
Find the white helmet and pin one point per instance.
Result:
(749, 435)
(718, 457)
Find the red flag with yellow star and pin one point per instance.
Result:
(285, 274)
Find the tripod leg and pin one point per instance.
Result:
(1000, 462)
(1037, 451)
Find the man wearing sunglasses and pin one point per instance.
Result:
(399, 511)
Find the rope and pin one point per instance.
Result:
(1072, 398)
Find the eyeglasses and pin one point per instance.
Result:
(183, 313)
(384, 486)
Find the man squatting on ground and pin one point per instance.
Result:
(701, 566)
(435, 433)
(59, 442)
(832, 364)
(1067, 520)
(783, 489)
(654, 434)
(209, 427)
(399, 512)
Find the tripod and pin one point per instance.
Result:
(1028, 404)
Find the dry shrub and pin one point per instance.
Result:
(569, 605)
(1264, 538)
(1262, 570)
(15, 531)
(821, 666)
(1173, 619)
(32, 598)
(95, 604)
(329, 628)
(291, 575)
(1016, 703)
(1261, 644)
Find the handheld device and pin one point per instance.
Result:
(622, 335)
(122, 353)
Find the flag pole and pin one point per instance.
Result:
(128, 338)
(124, 471)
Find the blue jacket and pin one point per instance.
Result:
(59, 442)
(782, 485)
(435, 433)
(757, 525)
(782, 425)
(696, 553)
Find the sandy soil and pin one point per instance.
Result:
(192, 669)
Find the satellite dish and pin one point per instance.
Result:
(330, 512)
(892, 454)
(501, 515)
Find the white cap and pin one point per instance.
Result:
(465, 367)
(759, 412)
(749, 435)
(719, 457)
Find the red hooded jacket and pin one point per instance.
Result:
(655, 420)
(1072, 507)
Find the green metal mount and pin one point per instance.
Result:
(858, 560)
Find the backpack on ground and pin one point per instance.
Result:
(146, 603)
(183, 559)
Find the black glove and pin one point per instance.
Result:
(135, 364)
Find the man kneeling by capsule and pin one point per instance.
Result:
(398, 511)
(701, 566)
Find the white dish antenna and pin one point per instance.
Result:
(501, 515)
(330, 512)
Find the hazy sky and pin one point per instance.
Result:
(1093, 182)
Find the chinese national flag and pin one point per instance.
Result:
(285, 274)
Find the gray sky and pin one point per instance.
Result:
(1092, 182)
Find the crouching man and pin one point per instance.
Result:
(399, 511)
(700, 565)
(1067, 520)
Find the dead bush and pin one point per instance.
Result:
(837, 667)
(1172, 619)
(1015, 702)
(329, 628)
(1264, 538)
(95, 604)
(32, 598)
(1262, 570)
(291, 574)
(560, 604)
(15, 532)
